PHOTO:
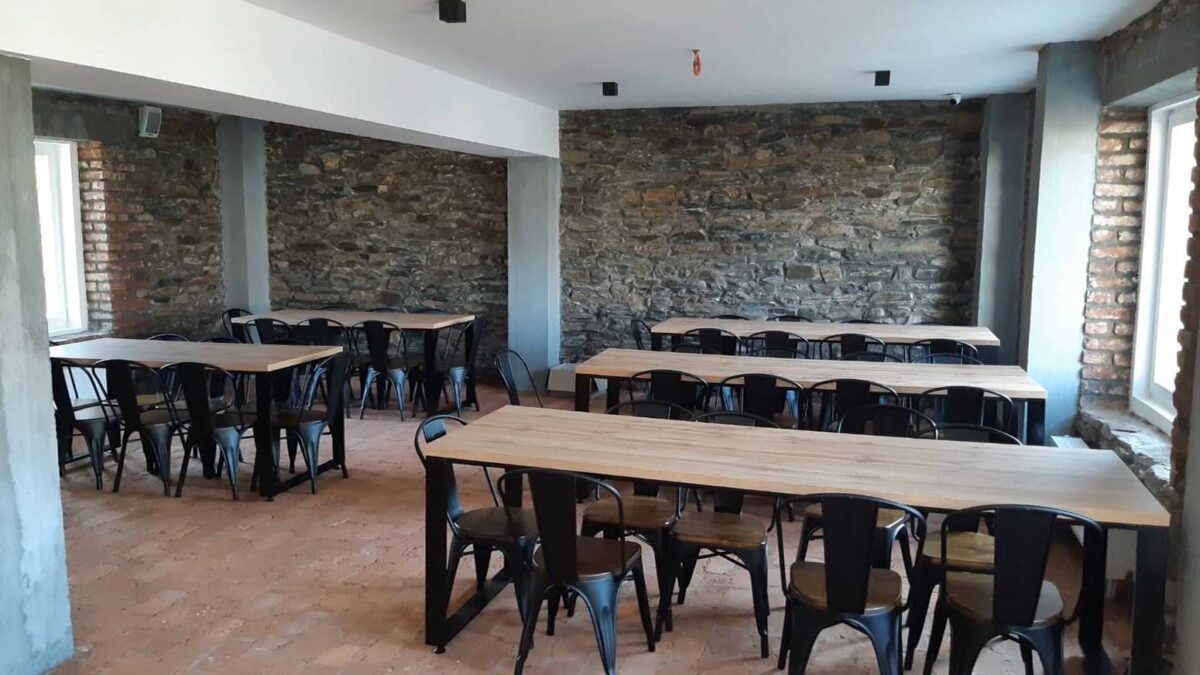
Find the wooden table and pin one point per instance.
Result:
(236, 358)
(891, 333)
(617, 365)
(428, 323)
(936, 475)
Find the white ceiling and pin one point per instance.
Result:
(556, 52)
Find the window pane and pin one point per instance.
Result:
(52, 249)
(58, 218)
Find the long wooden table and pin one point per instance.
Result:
(934, 475)
(617, 365)
(428, 323)
(901, 334)
(236, 358)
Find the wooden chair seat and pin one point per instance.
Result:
(641, 513)
(595, 557)
(284, 419)
(497, 523)
(968, 551)
(713, 529)
(808, 586)
(971, 595)
(160, 416)
(887, 518)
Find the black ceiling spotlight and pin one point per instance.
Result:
(452, 11)
(609, 88)
(883, 78)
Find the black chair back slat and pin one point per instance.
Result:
(554, 506)
(512, 366)
(321, 331)
(641, 333)
(715, 340)
(671, 386)
(431, 429)
(849, 526)
(971, 433)
(118, 385)
(883, 419)
(1023, 539)
(268, 331)
(378, 337)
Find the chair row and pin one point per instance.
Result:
(984, 595)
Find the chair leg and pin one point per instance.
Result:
(187, 455)
(659, 540)
(687, 557)
(399, 381)
(806, 627)
(905, 550)
(757, 565)
(808, 532)
(883, 630)
(483, 558)
(936, 633)
(639, 584)
(160, 441)
(228, 440)
(666, 584)
(366, 387)
(458, 546)
(553, 600)
(309, 436)
(96, 453)
(966, 644)
(537, 593)
(785, 639)
(925, 577)
(292, 442)
(121, 461)
(600, 598)
(1027, 657)
(1048, 645)
(457, 377)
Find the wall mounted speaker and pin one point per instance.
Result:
(149, 121)
(608, 88)
(452, 11)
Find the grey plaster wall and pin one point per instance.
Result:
(534, 290)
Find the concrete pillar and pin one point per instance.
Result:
(242, 160)
(1004, 145)
(1057, 238)
(35, 614)
(534, 281)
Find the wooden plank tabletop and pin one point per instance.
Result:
(905, 378)
(891, 333)
(938, 475)
(405, 320)
(157, 353)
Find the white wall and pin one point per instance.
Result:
(232, 57)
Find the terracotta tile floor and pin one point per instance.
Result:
(333, 583)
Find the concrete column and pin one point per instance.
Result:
(1057, 238)
(534, 281)
(242, 160)
(35, 614)
(1004, 145)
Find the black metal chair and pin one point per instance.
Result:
(96, 420)
(833, 346)
(884, 419)
(769, 342)
(168, 337)
(511, 531)
(737, 317)
(222, 340)
(764, 395)
(684, 389)
(386, 366)
(266, 330)
(304, 424)
(948, 359)
(318, 330)
(641, 333)
(846, 588)
(792, 318)
(862, 321)
(227, 318)
(830, 399)
(383, 309)
(971, 433)
(458, 370)
(941, 346)
(592, 568)
(872, 357)
(690, 347)
(207, 414)
(1016, 602)
(511, 366)
(726, 533)
(967, 405)
(141, 396)
(716, 340)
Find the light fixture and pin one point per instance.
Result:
(609, 88)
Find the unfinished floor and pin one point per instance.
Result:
(334, 583)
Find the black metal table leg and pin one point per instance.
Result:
(656, 342)
(1091, 604)
(437, 474)
(583, 393)
(612, 392)
(469, 339)
(264, 458)
(1035, 422)
(433, 383)
(1149, 597)
(337, 418)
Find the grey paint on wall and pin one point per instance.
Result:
(534, 281)
(35, 614)
(242, 157)
(1161, 66)
(1058, 234)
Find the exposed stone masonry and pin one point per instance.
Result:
(362, 223)
(838, 211)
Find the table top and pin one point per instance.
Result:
(244, 358)
(938, 475)
(905, 378)
(405, 320)
(891, 333)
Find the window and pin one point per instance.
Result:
(1164, 255)
(62, 248)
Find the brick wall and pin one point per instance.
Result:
(358, 222)
(839, 211)
(150, 212)
(1113, 260)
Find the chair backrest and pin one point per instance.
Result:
(382, 309)
(758, 344)
(850, 540)
(967, 405)
(1023, 535)
(793, 318)
(971, 433)
(882, 419)
(458, 344)
(941, 346)
(738, 317)
(431, 429)
(763, 395)
(64, 390)
(832, 398)
(861, 321)
(168, 337)
(421, 310)
(222, 339)
(124, 381)
(641, 333)
(332, 371)
(948, 359)
(716, 340)
(833, 346)
(381, 338)
(201, 385)
(731, 501)
(554, 506)
(873, 357)
(228, 316)
(676, 386)
(690, 347)
(267, 330)
(321, 331)
(512, 367)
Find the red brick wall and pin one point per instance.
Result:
(1113, 262)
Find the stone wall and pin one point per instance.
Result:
(362, 223)
(837, 211)
(150, 214)
(1113, 260)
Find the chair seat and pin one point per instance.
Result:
(595, 557)
(969, 551)
(641, 513)
(158, 416)
(232, 418)
(497, 524)
(290, 419)
(393, 363)
(886, 518)
(721, 530)
(808, 586)
(971, 595)
(94, 412)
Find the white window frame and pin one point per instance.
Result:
(63, 158)
(1146, 398)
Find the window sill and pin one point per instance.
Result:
(82, 336)
(1140, 444)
